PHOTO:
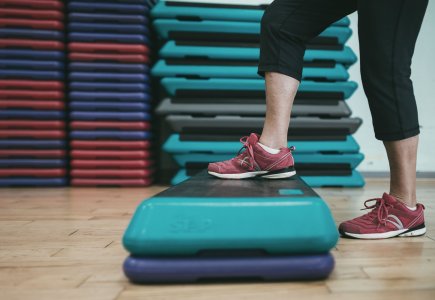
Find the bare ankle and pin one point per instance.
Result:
(274, 144)
(407, 200)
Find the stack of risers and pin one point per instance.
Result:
(205, 229)
(208, 69)
(109, 92)
(32, 100)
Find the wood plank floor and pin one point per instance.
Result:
(66, 244)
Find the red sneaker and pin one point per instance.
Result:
(255, 162)
(388, 218)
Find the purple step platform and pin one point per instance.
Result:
(267, 268)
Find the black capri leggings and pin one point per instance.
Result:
(387, 31)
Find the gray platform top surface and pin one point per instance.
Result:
(178, 122)
(205, 185)
(212, 107)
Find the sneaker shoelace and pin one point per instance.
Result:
(249, 152)
(379, 210)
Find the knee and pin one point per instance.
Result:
(383, 70)
(269, 20)
(276, 27)
(369, 78)
(378, 82)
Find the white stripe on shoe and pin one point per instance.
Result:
(396, 222)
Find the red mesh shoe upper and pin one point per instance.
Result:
(254, 158)
(387, 214)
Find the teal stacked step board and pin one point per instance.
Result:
(191, 49)
(168, 12)
(207, 68)
(316, 168)
(242, 10)
(329, 162)
(211, 89)
(230, 31)
(187, 233)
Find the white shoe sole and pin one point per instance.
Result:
(280, 175)
(417, 232)
(254, 174)
(386, 235)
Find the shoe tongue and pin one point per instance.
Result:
(389, 199)
(253, 139)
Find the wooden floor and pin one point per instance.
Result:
(66, 244)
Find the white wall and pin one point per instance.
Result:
(423, 77)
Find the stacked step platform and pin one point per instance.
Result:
(109, 92)
(206, 229)
(32, 100)
(208, 69)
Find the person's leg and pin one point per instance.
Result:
(388, 31)
(402, 156)
(386, 54)
(286, 27)
(280, 93)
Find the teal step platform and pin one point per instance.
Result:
(174, 144)
(176, 49)
(233, 87)
(206, 68)
(205, 215)
(250, 11)
(350, 159)
(354, 180)
(234, 31)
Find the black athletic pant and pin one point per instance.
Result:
(387, 30)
